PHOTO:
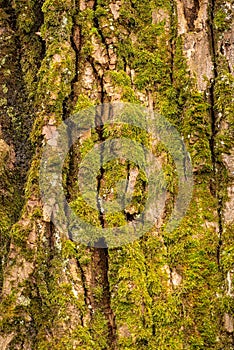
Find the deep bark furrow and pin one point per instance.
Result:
(167, 289)
(214, 131)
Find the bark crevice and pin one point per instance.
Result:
(214, 130)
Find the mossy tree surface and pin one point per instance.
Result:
(166, 290)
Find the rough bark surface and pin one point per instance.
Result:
(165, 290)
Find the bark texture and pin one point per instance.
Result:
(165, 290)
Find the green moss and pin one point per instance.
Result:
(151, 312)
(32, 186)
(29, 18)
(73, 250)
(222, 17)
(120, 78)
(83, 102)
(85, 212)
(57, 68)
(131, 302)
(20, 234)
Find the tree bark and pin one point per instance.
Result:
(166, 290)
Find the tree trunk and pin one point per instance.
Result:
(165, 290)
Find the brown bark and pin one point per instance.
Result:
(166, 290)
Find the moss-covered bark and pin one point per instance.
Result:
(165, 290)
